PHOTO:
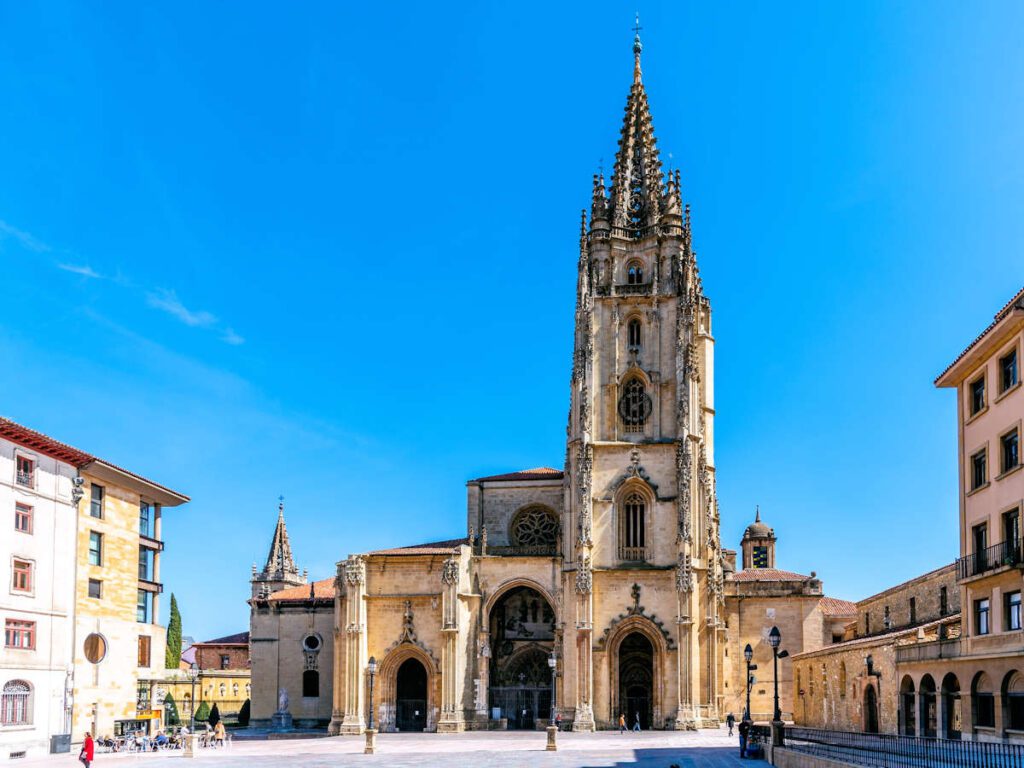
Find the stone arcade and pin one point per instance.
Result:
(614, 565)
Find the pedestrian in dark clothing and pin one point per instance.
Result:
(744, 733)
(636, 723)
(730, 720)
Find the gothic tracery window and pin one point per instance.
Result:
(635, 405)
(534, 527)
(635, 273)
(634, 535)
(633, 336)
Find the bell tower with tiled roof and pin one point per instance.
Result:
(640, 475)
(280, 571)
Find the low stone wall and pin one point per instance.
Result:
(790, 758)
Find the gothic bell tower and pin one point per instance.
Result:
(640, 476)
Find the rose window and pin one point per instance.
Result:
(535, 527)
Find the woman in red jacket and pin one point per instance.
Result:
(88, 750)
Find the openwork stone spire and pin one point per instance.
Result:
(280, 563)
(638, 181)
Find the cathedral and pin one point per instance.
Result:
(594, 591)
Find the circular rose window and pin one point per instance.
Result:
(535, 527)
(95, 648)
(311, 643)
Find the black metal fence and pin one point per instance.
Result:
(989, 559)
(888, 751)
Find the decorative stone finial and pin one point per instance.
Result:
(637, 50)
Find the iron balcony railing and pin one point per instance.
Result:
(633, 554)
(890, 751)
(24, 478)
(937, 649)
(1006, 553)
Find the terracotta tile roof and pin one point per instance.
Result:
(321, 590)
(833, 606)
(537, 473)
(431, 548)
(1017, 300)
(241, 638)
(768, 574)
(37, 441)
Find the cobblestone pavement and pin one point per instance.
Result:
(606, 749)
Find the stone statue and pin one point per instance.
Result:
(282, 700)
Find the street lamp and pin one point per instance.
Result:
(552, 728)
(748, 655)
(193, 673)
(774, 640)
(371, 734)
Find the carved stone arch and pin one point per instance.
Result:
(636, 372)
(520, 581)
(388, 682)
(655, 636)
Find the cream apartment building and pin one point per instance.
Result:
(37, 594)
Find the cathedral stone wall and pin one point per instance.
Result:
(494, 506)
(926, 592)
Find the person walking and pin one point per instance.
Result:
(622, 722)
(218, 733)
(636, 723)
(730, 720)
(744, 732)
(85, 757)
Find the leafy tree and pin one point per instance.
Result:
(173, 656)
(214, 717)
(170, 711)
(243, 714)
(203, 712)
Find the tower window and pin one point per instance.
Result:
(759, 557)
(633, 335)
(635, 274)
(634, 514)
(635, 405)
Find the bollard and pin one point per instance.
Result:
(371, 741)
(552, 746)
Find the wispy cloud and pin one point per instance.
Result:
(81, 269)
(25, 239)
(168, 302)
(232, 338)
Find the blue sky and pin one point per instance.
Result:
(329, 252)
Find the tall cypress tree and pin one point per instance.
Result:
(173, 658)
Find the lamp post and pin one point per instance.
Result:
(371, 733)
(748, 655)
(552, 728)
(774, 640)
(190, 740)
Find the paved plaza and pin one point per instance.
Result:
(605, 749)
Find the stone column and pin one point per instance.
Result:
(355, 645)
(483, 677)
(338, 684)
(685, 719)
(451, 720)
(584, 719)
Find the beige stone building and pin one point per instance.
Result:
(610, 569)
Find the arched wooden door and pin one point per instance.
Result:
(411, 696)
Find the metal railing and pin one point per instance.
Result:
(936, 649)
(633, 554)
(1005, 553)
(24, 478)
(889, 751)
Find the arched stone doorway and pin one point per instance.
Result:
(908, 707)
(411, 696)
(636, 679)
(522, 631)
(397, 678)
(870, 709)
(951, 713)
(926, 701)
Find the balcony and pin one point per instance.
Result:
(26, 479)
(632, 289)
(937, 649)
(150, 543)
(633, 554)
(998, 556)
(150, 586)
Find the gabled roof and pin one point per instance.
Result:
(315, 590)
(431, 548)
(241, 638)
(768, 574)
(1016, 303)
(537, 473)
(834, 607)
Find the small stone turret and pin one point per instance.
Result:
(758, 544)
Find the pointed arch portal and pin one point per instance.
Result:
(411, 696)
(636, 679)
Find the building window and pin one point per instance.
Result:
(867, 623)
(635, 405)
(96, 502)
(144, 650)
(986, 704)
(1008, 375)
(95, 548)
(144, 607)
(145, 563)
(1011, 450)
(633, 336)
(142, 696)
(145, 520)
(977, 396)
(95, 648)
(223, 689)
(943, 601)
(634, 532)
(979, 473)
(21, 580)
(913, 610)
(635, 274)
(981, 611)
(310, 683)
(26, 472)
(15, 703)
(759, 557)
(1013, 610)
(20, 634)
(225, 661)
(95, 589)
(887, 618)
(22, 518)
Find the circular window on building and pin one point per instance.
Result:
(311, 643)
(95, 648)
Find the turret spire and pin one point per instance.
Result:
(280, 563)
(637, 50)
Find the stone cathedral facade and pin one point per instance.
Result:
(612, 568)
